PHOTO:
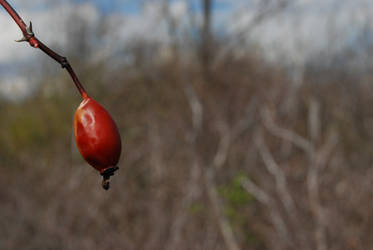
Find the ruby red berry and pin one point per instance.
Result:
(97, 137)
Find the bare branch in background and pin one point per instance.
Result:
(314, 120)
(265, 10)
(279, 176)
(192, 190)
(285, 134)
(195, 107)
(247, 121)
(209, 173)
(325, 150)
(229, 135)
(317, 159)
(206, 36)
(257, 192)
(264, 198)
(282, 188)
(223, 148)
(313, 186)
(224, 225)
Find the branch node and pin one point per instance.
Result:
(64, 62)
(29, 36)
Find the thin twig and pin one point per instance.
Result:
(313, 186)
(286, 134)
(279, 175)
(29, 36)
(268, 201)
(282, 189)
(208, 174)
(224, 225)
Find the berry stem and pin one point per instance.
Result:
(29, 36)
(14, 15)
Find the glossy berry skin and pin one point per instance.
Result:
(96, 135)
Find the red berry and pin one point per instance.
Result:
(97, 137)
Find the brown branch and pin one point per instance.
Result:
(275, 215)
(317, 160)
(313, 185)
(286, 134)
(192, 190)
(29, 36)
(279, 175)
(282, 189)
(208, 174)
(223, 223)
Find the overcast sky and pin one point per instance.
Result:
(308, 27)
(301, 30)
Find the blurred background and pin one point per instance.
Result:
(246, 125)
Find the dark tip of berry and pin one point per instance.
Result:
(106, 184)
(106, 176)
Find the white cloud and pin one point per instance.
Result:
(149, 25)
(178, 9)
(308, 28)
(49, 26)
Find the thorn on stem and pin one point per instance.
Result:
(29, 29)
(28, 36)
(23, 39)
